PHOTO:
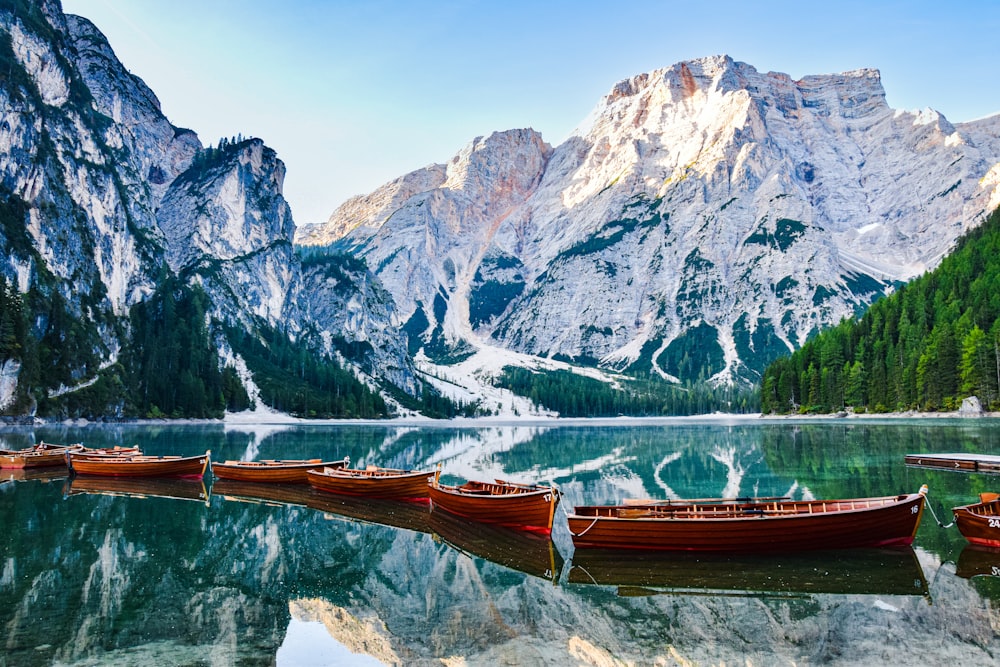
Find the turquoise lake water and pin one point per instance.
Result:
(95, 571)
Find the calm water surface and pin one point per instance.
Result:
(116, 572)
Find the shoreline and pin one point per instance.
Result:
(275, 419)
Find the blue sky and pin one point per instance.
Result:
(354, 94)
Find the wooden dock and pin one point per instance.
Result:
(959, 462)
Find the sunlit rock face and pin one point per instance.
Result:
(103, 198)
(705, 210)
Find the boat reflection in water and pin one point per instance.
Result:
(885, 571)
(976, 560)
(177, 488)
(519, 550)
(46, 473)
(393, 513)
(382, 511)
(261, 492)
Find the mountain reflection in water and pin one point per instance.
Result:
(102, 572)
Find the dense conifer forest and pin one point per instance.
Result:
(926, 347)
(574, 395)
(170, 367)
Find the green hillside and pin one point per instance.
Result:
(926, 347)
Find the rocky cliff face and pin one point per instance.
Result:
(60, 176)
(704, 218)
(102, 197)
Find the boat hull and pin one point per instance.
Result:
(893, 523)
(524, 510)
(280, 472)
(140, 466)
(22, 460)
(979, 523)
(43, 456)
(376, 483)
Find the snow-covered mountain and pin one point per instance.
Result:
(703, 219)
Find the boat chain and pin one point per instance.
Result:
(933, 514)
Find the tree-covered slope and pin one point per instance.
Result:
(926, 347)
(144, 274)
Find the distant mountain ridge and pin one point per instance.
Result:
(704, 219)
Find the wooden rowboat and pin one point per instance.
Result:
(45, 455)
(269, 470)
(750, 524)
(40, 456)
(521, 506)
(140, 465)
(979, 522)
(373, 482)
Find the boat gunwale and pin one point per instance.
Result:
(277, 464)
(378, 474)
(741, 512)
(523, 493)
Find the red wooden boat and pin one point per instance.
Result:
(269, 470)
(373, 482)
(980, 522)
(139, 465)
(521, 506)
(41, 455)
(750, 524)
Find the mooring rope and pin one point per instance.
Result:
(933, 514)
(584, 531)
